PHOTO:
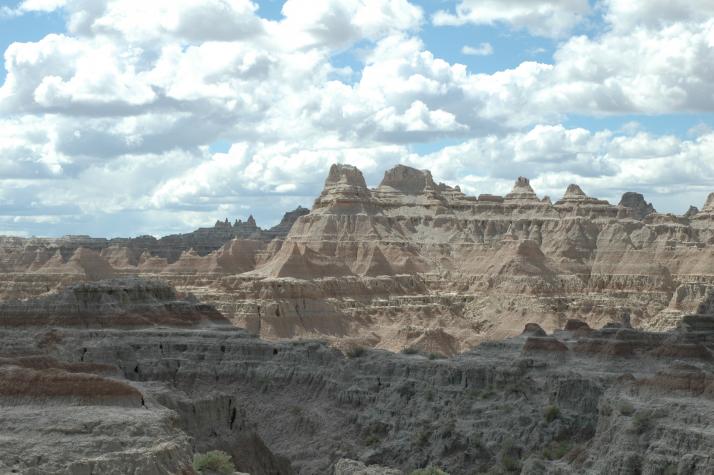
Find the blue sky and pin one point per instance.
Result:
(160, 117)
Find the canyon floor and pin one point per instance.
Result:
(384, 330)
(124, 376)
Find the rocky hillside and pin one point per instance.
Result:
(413, 262)
(112, 398)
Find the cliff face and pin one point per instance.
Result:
(144, 399)
(387, 266)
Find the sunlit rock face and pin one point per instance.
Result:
(389, 265)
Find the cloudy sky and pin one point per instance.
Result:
(127, 117)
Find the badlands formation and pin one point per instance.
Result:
(383, 331)
(128, 376)
(410, 263)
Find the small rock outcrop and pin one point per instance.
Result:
(407, 180)
(522, 191)
(119, 303)
(636, 202)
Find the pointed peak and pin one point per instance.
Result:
(693, 210)
(522, 183)
(251, 220)
(574, 191)
(709, 204)
(522, 191)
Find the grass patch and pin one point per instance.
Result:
(423, 437)
(372, 439)
(642, 422)
(216, 461)
(430, 470)
(556, 450)
(510, 464)
(551, 413)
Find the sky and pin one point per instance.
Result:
(131, 117)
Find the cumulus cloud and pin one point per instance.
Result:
(484, 49)
(550, 18)
(604, 163)
(116, 116)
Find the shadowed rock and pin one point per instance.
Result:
(636, 202)
(533, 329)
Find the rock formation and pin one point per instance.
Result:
(365, 264)
(637, 203)
(144, 399)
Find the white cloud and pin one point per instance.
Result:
(603, 163)
(550, 18)
(627, 14)
(41, 5)
(338, 23)
(115, 117)
(484, 49)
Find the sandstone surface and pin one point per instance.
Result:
(410, 261)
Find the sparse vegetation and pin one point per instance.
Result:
(670, 469)
(372, 439)
(556, 450)
(551, 413)
(509, 457)
(487, 393)
(435, 356)
(216, 461)
(410, 350)
(430, 470)
(356, 352)
(642, 421)
(510, 464)
(423, 437)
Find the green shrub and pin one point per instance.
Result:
(555, 451)
(510, 464)
(430, 470)
(410, 350)
(488, 392)
(551, 413)
(670, 469)
(215, 460)
(641, 422)
(372, 439)
(435, 356)
(356, 351)
(423, 437)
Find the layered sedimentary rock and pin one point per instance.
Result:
(388, 266)
(20, 254)
(145, 399)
